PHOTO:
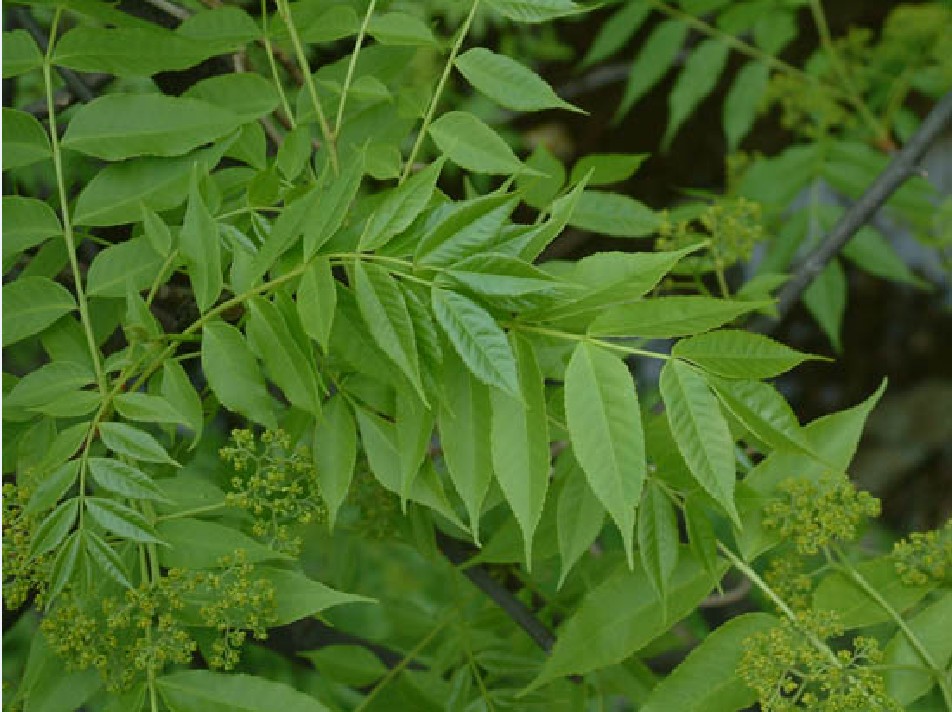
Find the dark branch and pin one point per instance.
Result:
(501, 596)
(903, 166)
(76, 85)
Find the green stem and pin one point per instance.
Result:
(849, 89)
(309, 83)
(160, 277)
(64, 210)
(447, 70)
(568, 336)
(934, 669)
(191, 512)
(350, 67)
(399, 667)
(276, 77)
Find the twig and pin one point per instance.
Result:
(903, 166)
(501, 596)
(76, 85)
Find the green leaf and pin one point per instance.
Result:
(117, 193)
(317, 301)
(607, 168)
(703, 67)
(129, 265)
(384, 310)
(49, 490)
(27, 222)
(285, 231)
(298, 597)
(227, 29)
(872, 252)
(287, 365)
(733, 353)
(197, 544)
(129, 51)
(478, 340)
(837, 591)
(540, 190)
(105, 557)
(701, 536)
(825, 298)
(24, 140)
(65, 564)
(30, 304)
(700, 431)
(121, 520)
(520, 443)
(207, 691)
(379, 438)
(156, 232)
(743, 102)
(707, 680)
(124, 480)
(335, 453)
(509, 83)
(129, 441)
(400, 28)
(654, 60)
(54, 528)
(621, 616)
(465, 424)
(118, 126)
(178, 391)
(614, 215)
(317, 23)
(201, 248)
(233, 374)
(471, 144)
(48, 383)
(764, 412)
(535, 10)
(536, 239)
(580, 515)
(469, 228)
(613, 278)
(658, 538)
(414, 430)
(20, 54)
(931, 627)
(604, 421)
(351, 665)
(247, 96)
(497, 275)
(400, 208)
(332, 207)
(664, 317)
(616, 31)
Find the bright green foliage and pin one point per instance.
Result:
(339, 254)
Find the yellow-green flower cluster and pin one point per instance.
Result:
(144, 630)
(22, 575)
(816, 515)
(733, 227)
(276, 483)
(925, 557)
(786, 577)
(790, 668)
(238, 603)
